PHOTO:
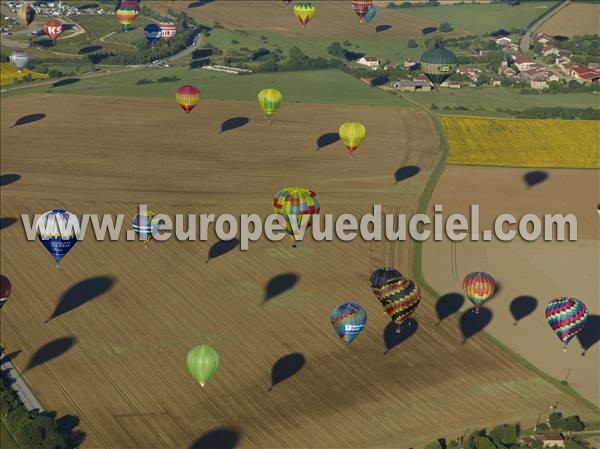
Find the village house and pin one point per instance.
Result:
(538, 83)
(451, 84)
(564, 53)
(548, 440)
(584, 75)
(503, 41)
(411, 65)
(523, 63)
(469, 72)
(496, 82)
(390, 66)
(369, 61)
(412, 85)
(549, 50)
(480, 51)
(543, 38)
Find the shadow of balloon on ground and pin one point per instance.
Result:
(89, 49)
(66, 82)
(448, 304)
(50, 351)
(522, 306)
(222, 247)
(535, 177)
(280, 284)
(233, 123)
(382, 28)
(9, 178)
(30, 118)
(428, 30)
(327, 139)
(220, 438)
(472, 323)
(590, 334)
(391, 338)
(286, 367)
(81, 293)
(380, 80)
(6, 222)
(404, 173)
(199, 3)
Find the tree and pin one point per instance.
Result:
(573, 423)
(505, 434)
(434, 445)
(483, 442)
(412, 43)
(445, 27)
(336, 49)
(555, 420)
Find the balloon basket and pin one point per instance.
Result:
(58, 266)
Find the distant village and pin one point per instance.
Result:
(515, 69)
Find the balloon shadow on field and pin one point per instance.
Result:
(29, 119)
(471, 323)
(233, 123)
(81, 293)
(380, 80)
(10, 357)
(404, 173)
(590, 334)
(199, 3)
(66, 82)
(327, 139)
(44, 43)
(382, 28)
(9, 179)
(286, 367)
(429, 30)
(392, 338)
(6, 222)
(447, 305)
(90, 49)
(222, 247)
(220, 438)
(535, 177)
(279, 284)
(50, 351)
(522, 306)
(67, 26)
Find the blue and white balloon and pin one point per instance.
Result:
(58, 230)
(153, 33)
(19, 59)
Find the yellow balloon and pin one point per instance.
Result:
(269, 101)
(304, 11)
(352, 134)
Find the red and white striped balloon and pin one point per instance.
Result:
(168, 29)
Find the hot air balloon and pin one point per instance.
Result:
(304, 11)
(352, 134)
(398, 295)
(478, 288)
(126, 14)
(168, 30)
(152, 32)
(58, 231)
(348, 320)
(53, 29)
(371, 13)
(361, 7)
(4, 290)
(20, 59)
(130, 4)
(269, 101)
(295, 202)
(566, 317)
(187, 97)
(143, 226)
(26, 15)
(203, 362)
(438, 64)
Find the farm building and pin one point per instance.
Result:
(369, 61)
(548, 440)
(412, 85)
(451, 84)
(543, 38)
(584, 75)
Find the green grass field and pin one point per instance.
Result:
(6, 441)
(326, 87)
(482, 18)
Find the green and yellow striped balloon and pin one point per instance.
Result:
(269, 101)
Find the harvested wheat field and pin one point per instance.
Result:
(530, 274)
(116, 322)
(333, 18)
(576, 19)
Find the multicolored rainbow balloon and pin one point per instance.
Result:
(398, 295)
(566, 317)
(348, 320)
(479, 287)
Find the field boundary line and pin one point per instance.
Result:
(417, 271)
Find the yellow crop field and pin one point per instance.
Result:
(8, 74)
(522, 142)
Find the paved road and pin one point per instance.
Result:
(526, 40)
(25, 394)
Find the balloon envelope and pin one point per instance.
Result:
(168, 30)
(19, 59)
(203, 362)
(381, 277)
(304, 12)
(352, 134)
(26, 15)
(126, 16)
(5, 288)
(348, 320)
(187, 97)
(438, 64)
(294, 202)
(143, 226)
(479, 287)
(566, 317)
(53, 29)
(58, 230)
(361, 7)
(269, 101)
(152, 32)
(371, 13)
(400, 298)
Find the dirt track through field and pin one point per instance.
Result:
(132, 313)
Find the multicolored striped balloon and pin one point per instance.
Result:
(187, 97)
(381, 279)
(294, 202)
(143, 226)
(400, 299)
(26, 15)
(361, 7)
(566, 317)
(304, 12)
(348, 320)
(58, 231)
(269, 101)
(479, 287)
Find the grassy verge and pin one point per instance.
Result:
(6, 440)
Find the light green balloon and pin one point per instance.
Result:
(203, 362)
